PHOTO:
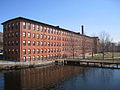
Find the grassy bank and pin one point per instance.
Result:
(106, 55)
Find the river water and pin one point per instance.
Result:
(59, 77)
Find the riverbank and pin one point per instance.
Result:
(23, 65)
(10, 65)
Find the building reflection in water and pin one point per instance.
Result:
(39, 78)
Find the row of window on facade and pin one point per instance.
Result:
(41, 36)
(11, 43)
(38, 51)
(11, 26)
(11, 51)
(16, 34)
(48, 37)
(38, 43)
(40, 28)
(38, 57)
(47, 29)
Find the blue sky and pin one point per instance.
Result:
(95, 15)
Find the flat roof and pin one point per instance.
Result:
(44, 24)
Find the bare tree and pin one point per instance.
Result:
(105, 42)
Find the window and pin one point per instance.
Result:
(24, 42)
(48, 30)
(29, 51)
(33, 27)
(62, 44)
(17, 25)
(24, 58)
(12, 42)
(48, 37)
(38, 43)
(9, 27)
(41, 50)
(57, 32)
(51, 37)
(24, 34)
(54, 31)
(41, 43)
(24, 25)
(16, 43)
(38, 51)
(51, 30)
(37, 27)
(51, 56)
(41, 28)
(45, 56)
(8, 35)
(38, 57)
(48, 50)
(45, 29)
(16, 34)
(54, 50)
(41, 36)
(33, 51)
(29, 58)
(45, 43)
(51, 50)
(54, 44)
(45, 50)
(45, 37)
(29, 43)
(48, 43)
(33, 35)
(12, 26)
(33, 43)
(42, 57)
(48, 56)
(16, 51)
(9, 51)
(12, 51)
(5, 27)
(38, 36)
(29, 35)
(51, 43)
(12, 34)
(24, 51)
(57, 50)
(29, 26)
(57, 44)
(9, 43)
(54, 37)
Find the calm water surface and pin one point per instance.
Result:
(61, 78)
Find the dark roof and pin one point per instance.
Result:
(42, 24)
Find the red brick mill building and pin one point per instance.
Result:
(29, 40)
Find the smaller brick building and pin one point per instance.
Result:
(28, 40)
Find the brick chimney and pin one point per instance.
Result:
(82, 27)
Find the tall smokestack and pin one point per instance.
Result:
(82, 27)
